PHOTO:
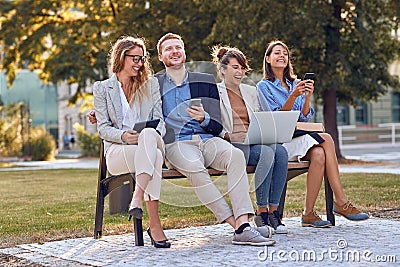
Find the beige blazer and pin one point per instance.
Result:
(108, 108)
(250, 97)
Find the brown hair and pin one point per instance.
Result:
(117, 59)
(288, 72)
(166, 37)
(222, 54)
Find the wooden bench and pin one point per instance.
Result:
(106, 184)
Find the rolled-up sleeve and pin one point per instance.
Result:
(307, 117)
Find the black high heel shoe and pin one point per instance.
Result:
(135, 212)
(158, 244)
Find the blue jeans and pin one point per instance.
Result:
(271, 169)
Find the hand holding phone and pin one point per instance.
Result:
(195, 109)
(308, 76)
(309, 85)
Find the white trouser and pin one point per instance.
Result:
(192, 157)
(145, 157)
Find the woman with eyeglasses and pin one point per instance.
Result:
(129, 96)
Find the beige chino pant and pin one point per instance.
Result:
(145, 157)
(192, 157)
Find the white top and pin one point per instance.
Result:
(129, 114)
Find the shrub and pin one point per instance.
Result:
(89, 143)
(42, 145)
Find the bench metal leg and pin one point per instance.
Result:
(138, 229)
(329, 201)
(282, 201)
(98, 224)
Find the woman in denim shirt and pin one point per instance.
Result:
(280, 90)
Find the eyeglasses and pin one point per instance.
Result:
(137, 59)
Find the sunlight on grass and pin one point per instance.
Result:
(8, 165)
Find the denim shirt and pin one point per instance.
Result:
(272, 96)
(176, 100)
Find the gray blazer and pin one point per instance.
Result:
(108, 108)
(249, 94)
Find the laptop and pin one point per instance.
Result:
(271, 127)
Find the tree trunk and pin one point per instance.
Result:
(330, 112)
(332, 56)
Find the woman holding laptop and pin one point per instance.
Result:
(238, 101)
(130, 96)
(280, 90)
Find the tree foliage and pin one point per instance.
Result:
(348, 44)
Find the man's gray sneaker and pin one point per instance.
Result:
(265, 231)
(252, 237)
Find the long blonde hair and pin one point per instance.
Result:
(116, 62)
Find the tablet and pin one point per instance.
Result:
(139, 126)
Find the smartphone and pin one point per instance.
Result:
(195, 102)
(308, 76)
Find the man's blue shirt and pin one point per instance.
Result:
(176, 100)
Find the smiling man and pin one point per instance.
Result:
(192, 142)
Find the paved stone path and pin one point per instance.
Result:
(373, 242)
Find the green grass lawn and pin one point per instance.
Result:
(44, 205)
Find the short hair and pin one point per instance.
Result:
(166, 37)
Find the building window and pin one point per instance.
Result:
(342, 115)
(361, 113)
(396, 106)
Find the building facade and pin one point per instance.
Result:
(68, 114)
(40, 100)
(385, 110)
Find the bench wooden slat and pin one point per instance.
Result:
(292, 165)
(112, 182)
